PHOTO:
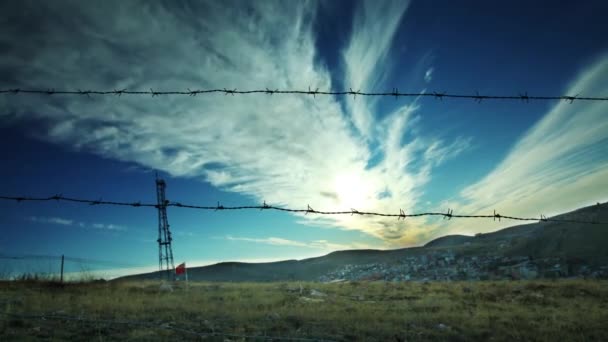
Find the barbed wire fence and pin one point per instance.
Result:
(78, 260)
(310, 92)
(51, 267)
(402, 215)
(477, 97)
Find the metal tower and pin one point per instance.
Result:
(165, 252)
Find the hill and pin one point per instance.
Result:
(543, 239)
(545, 243)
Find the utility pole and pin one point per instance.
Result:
(165, 252)
(62, 260)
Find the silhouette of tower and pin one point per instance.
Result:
(165, 252)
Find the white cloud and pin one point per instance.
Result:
(428, 75)
(58, 220)
(366, 57)
(317, 244)
(286, 150)
(437, 152)
(558, 165)
(110, 226)
(51, 220)
(108, 274)
(70, 222)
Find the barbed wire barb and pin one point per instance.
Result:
(313, 92)
(401, 215)
(82, 92)
(270, 92)
(571, 98)
(309, 209)
(478, 97)
(265, 206)
(439, 95)
(496, 216)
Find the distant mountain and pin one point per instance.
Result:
(449, 240)
(584, 242)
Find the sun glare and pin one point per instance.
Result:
(353, 191)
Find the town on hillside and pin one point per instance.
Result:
(447, 266)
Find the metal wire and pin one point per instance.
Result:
(69, 259)
(524, 97)
(449, 214)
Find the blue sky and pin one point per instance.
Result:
(332, 153)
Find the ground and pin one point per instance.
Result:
(564, 310)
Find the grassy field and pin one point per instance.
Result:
(567, 310)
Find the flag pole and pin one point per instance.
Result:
(187, 285)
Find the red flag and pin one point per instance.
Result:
(180, 269)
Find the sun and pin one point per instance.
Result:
(353, 190)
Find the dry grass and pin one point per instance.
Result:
(572, 310)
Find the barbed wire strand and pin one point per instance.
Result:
(449, 214)
(524, 97)
(69, 259)
(157, 325)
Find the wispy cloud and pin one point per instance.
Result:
(51, 220)
(558, 165)
(80, 224)
(109, 226)
(437, 152)
(428, 75)
(317, 244)
(367, 56)
(287, 150)
(184, 233)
